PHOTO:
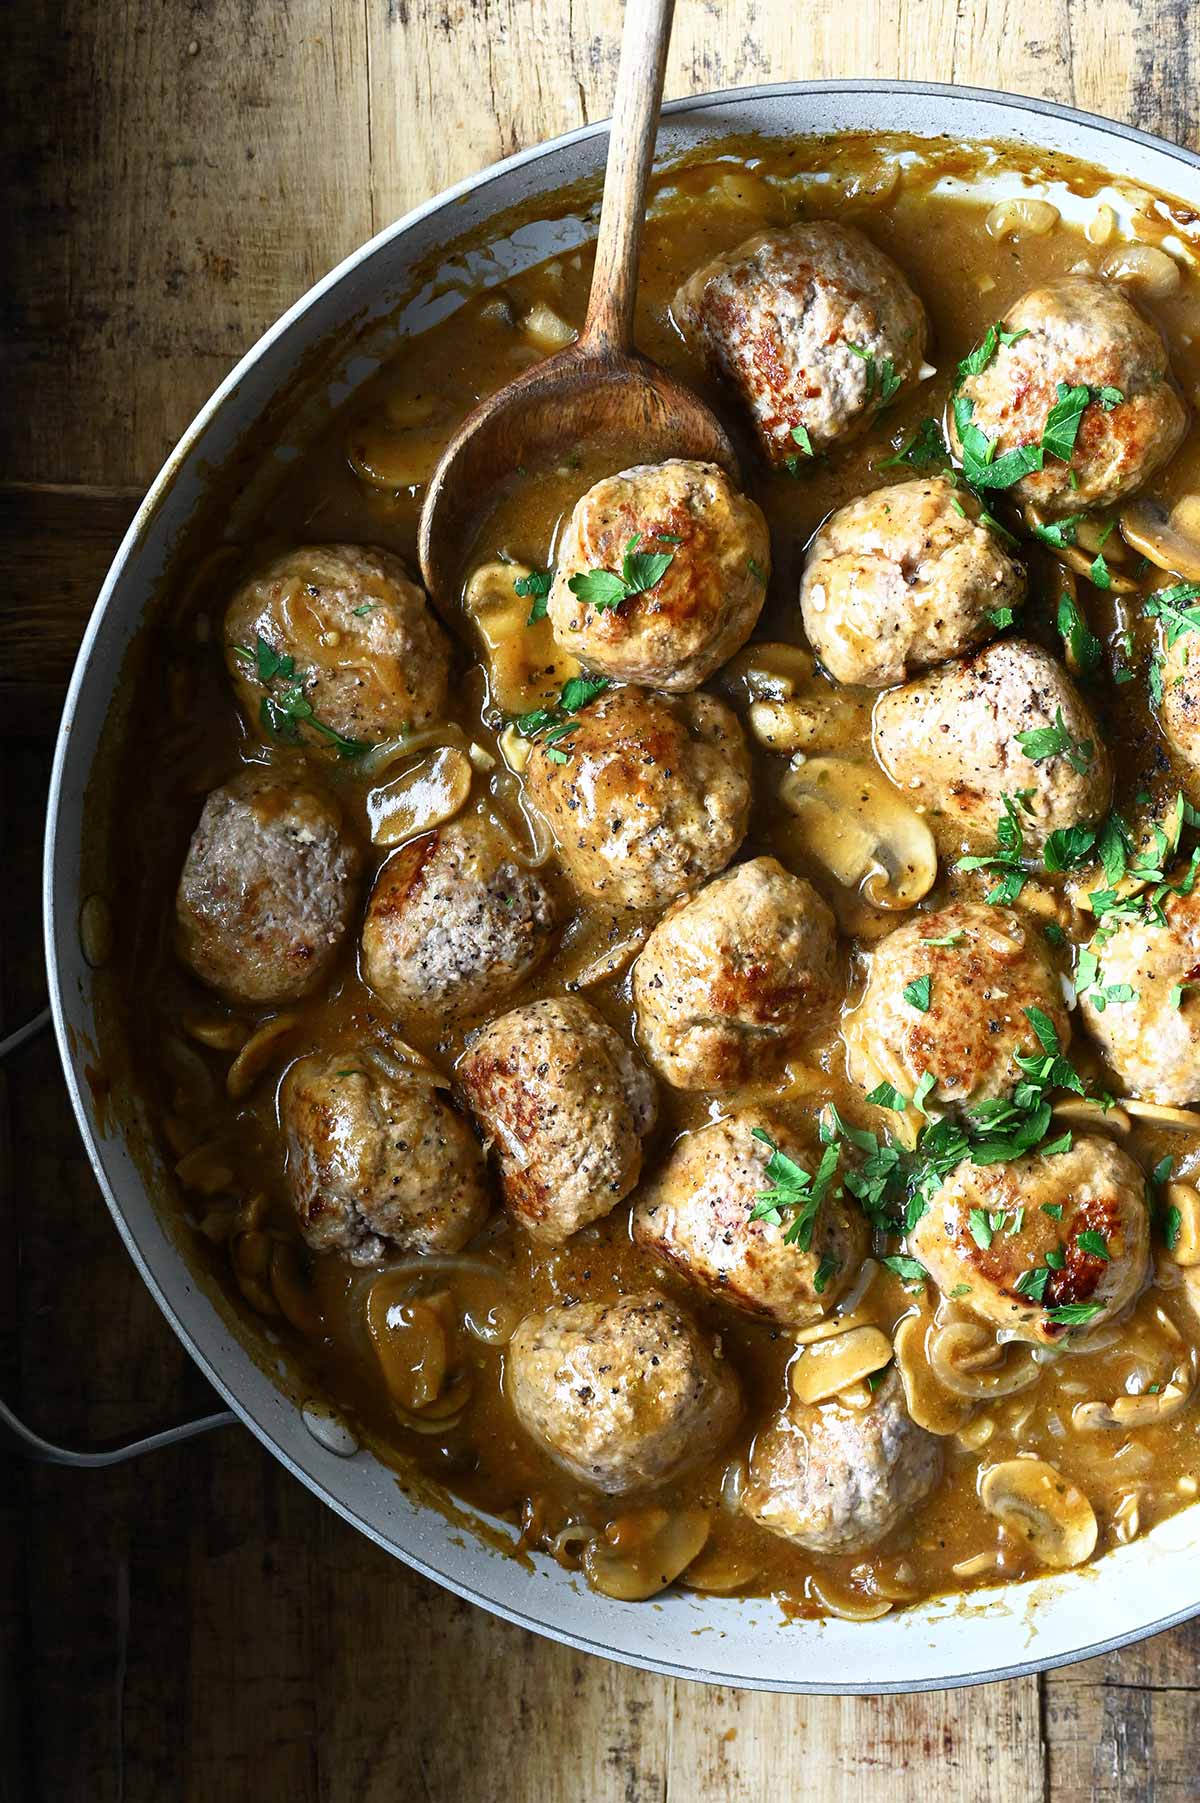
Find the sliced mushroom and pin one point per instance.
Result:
(1157, 1114)
(206, 1169)
(1170, 540)
(967, 1360)
(525, 665)
(931, 1405)
(854, 823)
(250, 1255)
(1034, 1503)
(1091, 1117)
(292, 1290)
(220, 1033)
(828, 1367)
(789, 707)
(641, 1553)
(410, 1341)
(431, 791)
(1147, 1409)
(1092, 538)
(721, 1571)
(395, 458)
(257, 1054)
(838, 1598)
(1184, 1200)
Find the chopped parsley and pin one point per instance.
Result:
(1007, 859)
(793, 1191)
(755, 569)
(828, 1267)
(910, 1269)
(1040, 743)
(1094, 1244)
(923, 449)
(1172, 1226)
(1174, 607)
(640, 570)
(885, 1095)
(800, 437)
(1074, 1314)
(947, 939)
(883, 384)
(536, 588)
(917, 993)
(1077, 636)
(549, 724)
(285, 708)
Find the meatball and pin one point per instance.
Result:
(902, 579)
(815, 328)
(568, 1105)
(1070, 332)
(729, 979)
(623, 1394)
(367, 652)
(836, 1479)
(268, 887)
(696, 1216)
(947, 993)
(676, 631)
(455, 924)
(950, 742)
(986, 1237)
(376, 1161)
(1153, 1041)
(650, 798)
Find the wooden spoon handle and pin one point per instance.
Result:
(644, 43)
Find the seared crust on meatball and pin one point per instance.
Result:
(730, 977)
(568, 1105)
(1078, 330)
(702, 608)
(814, 327)
(623, 1394)
(653, 795)
(696, 1216)
(268, 888)
(1099, 1190)
(1153, 1041)
(455, 924)
(375, 1161)
(979, 987)
(371, 659)
(949, 741)
(837, 1479)
(901, 579)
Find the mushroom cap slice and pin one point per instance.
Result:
(1170, 540)
(830, 1366)
(641, 1553)
(861, 830)
(1034, 1503)
(931, 1405)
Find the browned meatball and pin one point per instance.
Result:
(268, 888)
(1152, 1041)
(904, 578)
(651, 796)
(1070, 332)
(947, 993)
(987, 1229)
(815, 327)
(1179, 708)
(950, 741)
(369, 655)
(377, 1161)
(568, 1105)
(623, 1394)
(837, 1479)
(729, 978)
(455, 923)
(699, 611)
(696, 1215)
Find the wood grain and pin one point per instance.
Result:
(198, 1627)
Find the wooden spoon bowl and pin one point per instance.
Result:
(600, 389)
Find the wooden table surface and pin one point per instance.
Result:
(197, 1626)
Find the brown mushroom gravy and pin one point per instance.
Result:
(409, 1348)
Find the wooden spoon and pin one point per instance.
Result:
(599, 388)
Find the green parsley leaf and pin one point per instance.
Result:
(793, 1190)
(1001, 617)
(828, 1267)
(600, 589)
(1039, 743)
(1109, 398)
(1053, 1209)
(908, 1268)
(923, 449)
(756, 570)
(578, 691)
(536, 588)
(640, 570)
(1094, 1244)
(1062, 422)
(1081, 642)
(947, 939)
(1172, 1224)
(1032, 1283)
(884, 1095)
(1056, 1258)
(917, 993)
(1074, 1314)
(980, 1228)
(800, 437)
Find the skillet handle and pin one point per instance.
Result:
(45, 1450)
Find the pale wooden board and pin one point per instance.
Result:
(200, 1627)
